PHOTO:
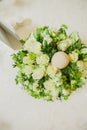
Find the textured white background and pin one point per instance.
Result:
(18, 111)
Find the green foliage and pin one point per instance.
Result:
(49, 49)
(41, 81)
(77, 45)
(38, 35)
(59, 34)
(32, 56)
(18, 58)
(83, 57)
(21, 78)
(73, 76)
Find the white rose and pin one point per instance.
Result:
(62, 46)
(27, 60)
(73, 56)
(51, 70)
(32, 46)
(38, 73)
(80, 64)
(27, 69)
(70, 41)
(43, 59)
(49, 84)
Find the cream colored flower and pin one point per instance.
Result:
(81, 65)
(49, 85)
(43, 59)
(27, 69)
(62, 46)
(51, 70)
(73, 56)
(32, 46)
(27, 60)
(38, 73)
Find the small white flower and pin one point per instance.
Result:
(49, 84)
(73, 56)
(27, 69)
(51, 70)
(38, 73)
(33, 46)
(43, 59)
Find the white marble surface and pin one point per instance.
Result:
(18, 111)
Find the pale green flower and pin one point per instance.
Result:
(73, 56)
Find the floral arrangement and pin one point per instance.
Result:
(51, 64)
